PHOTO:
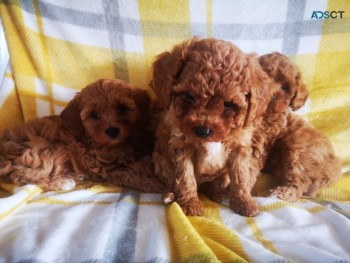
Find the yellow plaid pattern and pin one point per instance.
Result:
(57, 48)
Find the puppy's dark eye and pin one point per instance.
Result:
(122, 109)
(95, 115)
(230, 105)
(285, 87)
(187, 96)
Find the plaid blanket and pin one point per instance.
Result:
(58, 47)
(102, 223)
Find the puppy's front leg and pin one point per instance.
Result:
(243, 174)
(186, 188)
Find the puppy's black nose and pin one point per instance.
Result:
(202, 132)
(112, 132)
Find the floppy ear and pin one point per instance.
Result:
(301, 94)
(142, 100)
(259, 95)
(257, 98)
(167, 69)
(70, 116)
(270, 63)
(274, 64)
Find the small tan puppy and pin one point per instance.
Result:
(214, 97)
(100, 135)
(301, 159)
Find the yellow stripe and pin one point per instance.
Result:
(277, 205)
(51, 100)
(316, 209)
(190, 232)
(8, 75)
(98, 189)
(211, 209)
(12, 19)
(209, 4)
(186, 243)
(259, 235)
(133, 201)
(137, 70)
(151, 203)
(163, 14)
(224, 254)
(211, 226)
(75, 75)
(331, 82)
(335, 194)
(31, 194)
(283, 204)
(215, 231)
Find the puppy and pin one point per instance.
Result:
(301, 159)
(214, 97)
(289, 89)
(97, 136)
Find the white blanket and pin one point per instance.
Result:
(100, 223)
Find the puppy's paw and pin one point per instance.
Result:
(286, 193)
(168, 197)
(245, 206)
(68, 184)
(192, 207)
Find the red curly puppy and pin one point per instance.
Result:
(100, 135)
(214, 97)
(301, 159)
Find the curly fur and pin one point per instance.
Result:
(214, 98)
(301, 159)
(100, 135)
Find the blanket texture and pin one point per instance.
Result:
(58, 47)
(101, 223)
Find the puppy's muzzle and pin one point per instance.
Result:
(112, 132)
(202, 132)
